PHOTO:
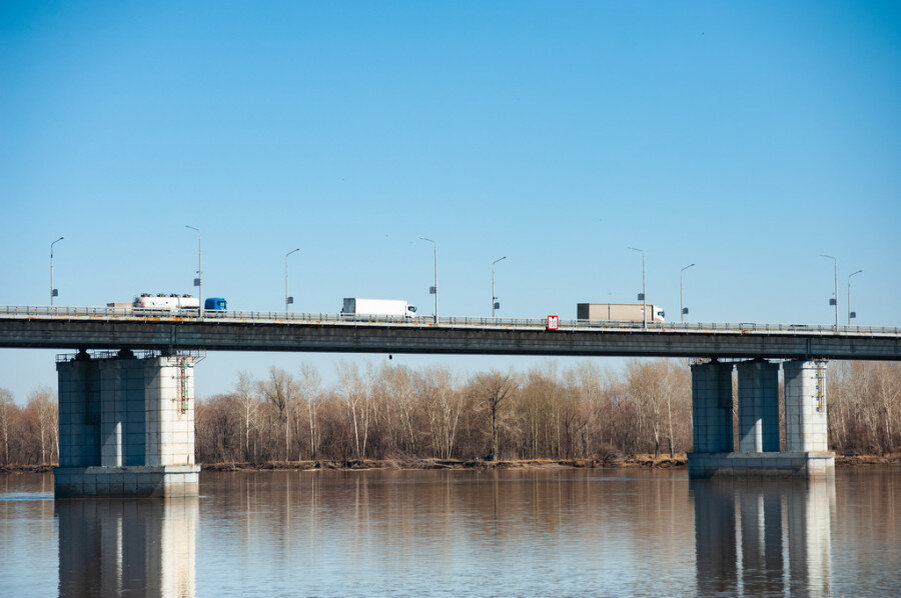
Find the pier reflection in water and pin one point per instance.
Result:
(137, 547)
(490, 533)
(757, 537)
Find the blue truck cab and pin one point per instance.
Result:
(215, 304)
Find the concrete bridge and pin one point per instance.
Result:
(127, 409)
(114, 329)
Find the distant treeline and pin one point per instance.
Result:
(394, 412)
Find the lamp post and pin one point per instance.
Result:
(53, 292)
(198, 282)
(288, 299)
(834, 300)
(644, 290)
(434, 289)
(851, 314)
(494, 304)
(682, 309)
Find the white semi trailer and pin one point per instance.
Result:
(378, 307)
(619, 312)
(166, 302)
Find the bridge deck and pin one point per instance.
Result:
(115, 328)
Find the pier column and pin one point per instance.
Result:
(126, 427)
(711, 407)
(806, 425)
(805, 406)
(758, 406)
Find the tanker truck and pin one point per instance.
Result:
(174, 301)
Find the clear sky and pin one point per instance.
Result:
(745, 137)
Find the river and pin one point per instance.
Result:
(520, 532)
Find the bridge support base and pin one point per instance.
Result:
(781, 464)
(127, 482)
(126, 427)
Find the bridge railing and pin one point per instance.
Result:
(280, 317)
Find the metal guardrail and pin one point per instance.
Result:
(257, 317)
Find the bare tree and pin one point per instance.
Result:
(7, 409)
(43, 409)
(494, 388)
(399, 387)
(250, 408)
(443, 406)
(311, 390)
(280, 391)
(648, 388)
(356, 398)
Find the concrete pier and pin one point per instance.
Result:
(126, 427)
(758, 406)
(711, 400)
(759, 453)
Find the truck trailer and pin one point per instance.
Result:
(378, 307)
(618, 312)
(174, 301)
(165, 302)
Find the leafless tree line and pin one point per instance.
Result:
(584, 412)
(29, 435)
(394, 412)
(864, 406)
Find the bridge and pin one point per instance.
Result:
(170, 332)
(126, 419)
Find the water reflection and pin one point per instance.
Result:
(763, 537)
(412, 533)
(140, 547)
(451, 533)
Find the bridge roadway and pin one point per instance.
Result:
(117, 328)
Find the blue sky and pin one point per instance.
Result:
(745, 137)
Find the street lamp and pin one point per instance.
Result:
(834, 300)
(851, 314)
(643, 296)
(682, 309)
(198, 282)
(494, 303)
(288, 299)
(434, 290)
(53, 292)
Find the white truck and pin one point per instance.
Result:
(619, 312)
(378, 307)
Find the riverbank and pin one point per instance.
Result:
(636, 461)
(679, 460)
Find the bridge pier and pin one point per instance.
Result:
(758, 406)
(759, 453)
(126, 427)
